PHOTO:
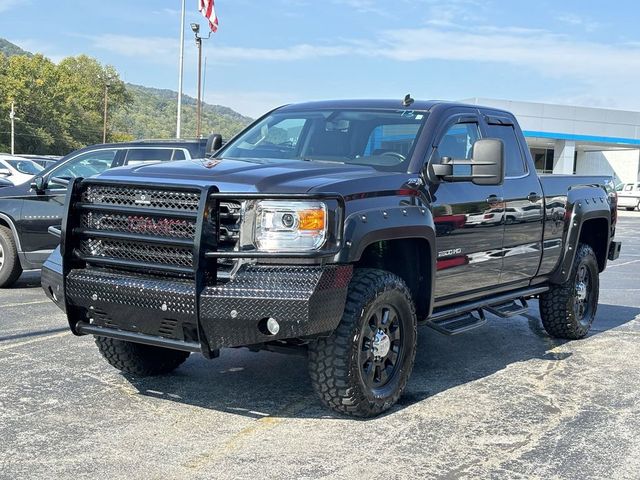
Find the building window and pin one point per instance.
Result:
(543, 159)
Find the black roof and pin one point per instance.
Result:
(425, 105)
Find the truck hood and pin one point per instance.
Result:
(263, 175)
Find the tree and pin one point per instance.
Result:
(59, 108)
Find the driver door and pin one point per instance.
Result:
(44, 209)
(468, 219)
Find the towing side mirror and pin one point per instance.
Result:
(485, 168)
(214, 143)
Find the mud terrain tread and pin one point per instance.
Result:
(140, 360)
(556, 309)
(331, 359)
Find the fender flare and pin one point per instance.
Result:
(585, 203)
(366, 227)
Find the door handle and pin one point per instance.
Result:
(533, 197)
(494, 200)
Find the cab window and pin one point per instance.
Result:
(84, 165)
(515, 166)
(457, 142)
(143, 155)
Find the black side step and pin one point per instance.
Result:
(459, 324)
(509, 309)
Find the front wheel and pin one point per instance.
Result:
(138, 359)
(568, 309)
(363, 367)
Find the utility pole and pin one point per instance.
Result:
(199, 107)
(196, 30)
(106, 99)
(12, 116)
(180, 75)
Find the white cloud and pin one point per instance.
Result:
(593, 69)
(363, 6)
(9, 4)
(579, 21)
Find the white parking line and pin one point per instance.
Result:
(37, 302)
(621, 264)
(33, 340)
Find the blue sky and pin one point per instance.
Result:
(270, 52)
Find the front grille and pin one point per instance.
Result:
(151, 229)
(136, 251)
(230, 214)
(141, 197)
(139, 224)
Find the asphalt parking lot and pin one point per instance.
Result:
(502, 401)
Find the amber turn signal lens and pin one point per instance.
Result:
(311, 220)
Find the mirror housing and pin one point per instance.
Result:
(38, 184)
(214, 143)
(5, 172)
(485, 168)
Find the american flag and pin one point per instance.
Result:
(208, 9)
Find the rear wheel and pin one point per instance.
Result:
(138, 359)
(363, 367)
(10, 268)
(568, 309)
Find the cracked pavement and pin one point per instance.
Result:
(501, 401)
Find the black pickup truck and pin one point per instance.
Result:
(333, 229)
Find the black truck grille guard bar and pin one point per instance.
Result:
(166, 229)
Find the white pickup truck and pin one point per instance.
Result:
(629, 196)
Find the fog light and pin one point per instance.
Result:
(273, 326)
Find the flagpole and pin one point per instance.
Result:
(181, 68)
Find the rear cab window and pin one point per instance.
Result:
(143, 155)
(515, 161)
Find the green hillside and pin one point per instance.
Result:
(59, 107)
(7, 48)
(152, 114)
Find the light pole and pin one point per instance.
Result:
(107, 84)
(12, 116)
(180, 74)
(196, 30)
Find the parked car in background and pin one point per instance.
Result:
(629, 196)
(18, 170)
(43, 160)
(29, 209)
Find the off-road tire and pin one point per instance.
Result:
(11, 269)
(558, 305)
(334, 364)
(138, 359)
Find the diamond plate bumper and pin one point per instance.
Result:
(305, 300)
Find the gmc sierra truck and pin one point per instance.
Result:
(334, 229)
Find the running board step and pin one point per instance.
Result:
(509, 309)
(459, 324)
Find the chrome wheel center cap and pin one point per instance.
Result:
(381, 344)
(581, 291)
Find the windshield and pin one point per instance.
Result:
(383, 139)
(25, 166)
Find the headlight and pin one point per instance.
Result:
(290, 225)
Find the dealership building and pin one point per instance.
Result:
(580, 140)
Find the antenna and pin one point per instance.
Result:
(408, 101)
